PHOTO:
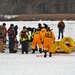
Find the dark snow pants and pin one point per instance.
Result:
(25, 46)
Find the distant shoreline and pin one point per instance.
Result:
(35, 17)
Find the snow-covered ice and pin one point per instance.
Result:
(29, 64)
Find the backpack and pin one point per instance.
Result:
(23, 34)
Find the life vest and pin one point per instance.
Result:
(23, 34)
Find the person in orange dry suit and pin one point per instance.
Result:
(42, 34)
(48, 40)
(37, 40)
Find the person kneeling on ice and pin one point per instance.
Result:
(48, 40)
(24, 38)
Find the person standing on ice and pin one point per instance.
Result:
(15, 38)
(39, 28)
(37, 40)
(11, 34)
(4, 32)
(24, 38)
(48, 41)
(61, 26)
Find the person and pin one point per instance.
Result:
(24, 38)
(15, 38)
(61, 27)
(52, 35)
(48, 41)
(11, 34)
(43, 31)
(37, 40)
(39, 26)
(4, 31)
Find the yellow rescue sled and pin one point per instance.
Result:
(66, 45)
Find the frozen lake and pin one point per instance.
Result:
(22, 64)
(69, 26)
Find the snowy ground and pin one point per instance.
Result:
(29, 64)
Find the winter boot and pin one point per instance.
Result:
(22, 52)
(36, 48)
(33, 51)
(26, 52)
(45, 54)
(40, 50)
(50, 54)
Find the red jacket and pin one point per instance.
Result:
(61, 25)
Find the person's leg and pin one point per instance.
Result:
(50, 54)
(26, 47)
(59, 34)
(45, 53)
(62, 34)
(36, 48)
(11, 45)
(40, 47)
(23, 47)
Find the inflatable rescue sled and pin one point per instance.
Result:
(66, 45)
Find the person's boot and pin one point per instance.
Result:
(33, 51)
(22, 52)
(45, 54)
(36, 48)
(40, 50)
(50, 54)
(26, 51)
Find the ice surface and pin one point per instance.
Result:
(29, 64)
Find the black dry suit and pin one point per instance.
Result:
(11, 34)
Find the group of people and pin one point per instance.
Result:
(44, 37)
(41, 38)
(12, 33)
(12, 37)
